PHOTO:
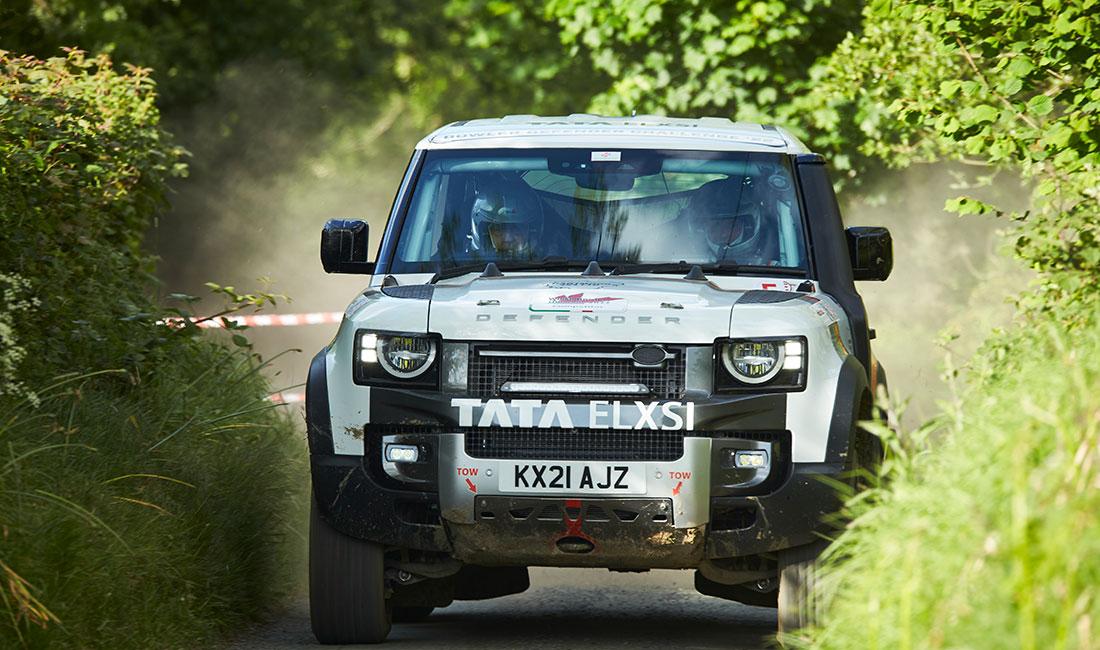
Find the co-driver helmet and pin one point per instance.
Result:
(727, 214)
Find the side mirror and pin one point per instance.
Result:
(872, 252)
(344, 247)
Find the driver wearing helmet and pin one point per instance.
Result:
(506, 220)
(726, 218)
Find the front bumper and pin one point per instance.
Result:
(692, 508)
(792, 515)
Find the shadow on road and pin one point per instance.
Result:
(568, 608)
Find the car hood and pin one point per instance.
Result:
(553, 308)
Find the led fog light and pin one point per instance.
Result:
(752, 459)
(402, 453)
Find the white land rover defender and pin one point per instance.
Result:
(624, 343)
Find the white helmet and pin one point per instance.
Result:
(506, 217)
(728, 216)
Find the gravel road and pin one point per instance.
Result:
(566, 608)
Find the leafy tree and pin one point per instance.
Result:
(699, 58)
(454, 59)
(1003, 85)
(748, 59)
(189, 44)
(504, 56)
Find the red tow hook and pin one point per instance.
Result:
(574, 540)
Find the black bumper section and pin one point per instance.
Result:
(795, 514)
(355, 505)
(349, 500)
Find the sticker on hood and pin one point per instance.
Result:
(583, 284)
(579, 302)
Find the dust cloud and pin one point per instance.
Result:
(273, 159)
(952, 275)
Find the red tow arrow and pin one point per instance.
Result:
(675, 490)
(470, 484)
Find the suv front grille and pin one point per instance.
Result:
(601, 364)
(575, 444)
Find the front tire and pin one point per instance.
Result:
(797, 581)
(347, 598)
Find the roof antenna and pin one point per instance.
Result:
(593, 269)
(696, 273)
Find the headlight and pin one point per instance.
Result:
(753, 362)
(404, 356)
(778, 362)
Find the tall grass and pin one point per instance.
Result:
(147, 511)
(986, 535)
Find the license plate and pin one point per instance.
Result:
(572, 478)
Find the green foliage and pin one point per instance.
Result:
(191, 44)
(83, 166)
(504, 56)
(149, 510)
(15, 302)
(984, 538)
(986, 534)
(146, 484)
(748, 59)
(453, 59)
(1005, 85)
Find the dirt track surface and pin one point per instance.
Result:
(566, 608)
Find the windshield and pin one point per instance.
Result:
(616, 207)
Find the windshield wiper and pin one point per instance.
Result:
(718, 268)
(545, 264)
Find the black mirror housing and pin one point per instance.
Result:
(872, 252)
(344, 247)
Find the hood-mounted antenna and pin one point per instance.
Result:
(696, 273)
(593, 269)
(491, 271)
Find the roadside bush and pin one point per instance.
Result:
(83, 168)
(147, 511)
(984, 535)
(987, 535)
(147, 487)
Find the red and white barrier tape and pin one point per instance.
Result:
(286, 398)
(274, 320)
(263, 320)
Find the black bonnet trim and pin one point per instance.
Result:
(410, 291)
(760, 297)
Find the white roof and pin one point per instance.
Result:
(592, 131)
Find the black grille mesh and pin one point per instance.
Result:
(574, 444)
(487, 374)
